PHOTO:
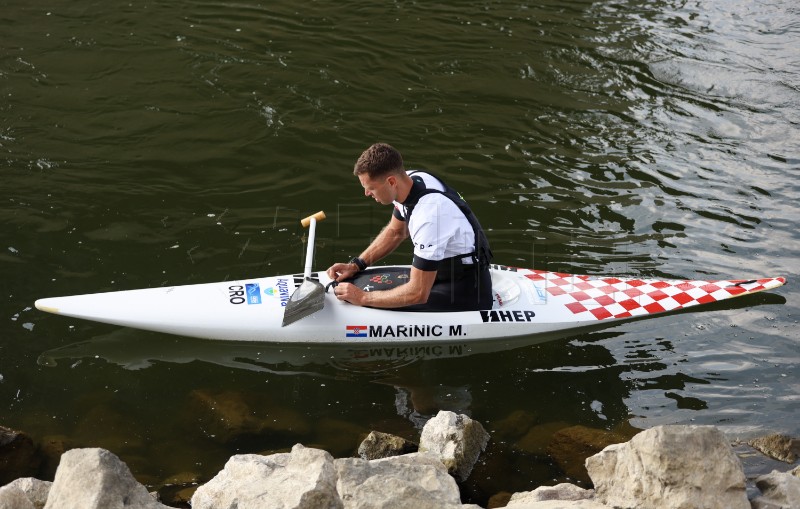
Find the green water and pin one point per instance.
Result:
(166, 143)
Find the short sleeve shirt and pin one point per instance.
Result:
(438, 228)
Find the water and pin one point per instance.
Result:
(154, 143)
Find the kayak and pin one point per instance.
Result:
(527, 302)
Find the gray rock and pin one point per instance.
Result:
(97, 479)
(670, 467)
(456, 440)
(413, 481)
(12, 497)
(379, 445)
(778, 491)
(36, 490)
(303, 478)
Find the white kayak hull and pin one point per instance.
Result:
(527, 302)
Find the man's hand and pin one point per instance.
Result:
(340, 271)
(349, 293)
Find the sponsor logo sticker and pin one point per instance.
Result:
(280, 290)
(253, 291)
(507, 316)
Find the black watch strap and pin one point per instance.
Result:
(360, 263)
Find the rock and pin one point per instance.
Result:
(51, 448)
(18, 456)
(303, 478)
(498, 500)
(796, 472)
(777, 446)
(105, 426)
(538, 438)
(338, 437)
(12, 497)
(36, 490)
(563, 491)
(228, 415)
(514, 426)
(96, 479)
(379, 445)
(670, 467)
(456, 440)
(570, 447)
(413, 481)
(560, 504)
(778, 491)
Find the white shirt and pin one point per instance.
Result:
(438, 228)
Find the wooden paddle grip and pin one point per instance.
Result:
(319, 216)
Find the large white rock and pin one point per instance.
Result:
(778, 491)
(304, 478)
(670, 467)
(412, 481)
(456, 440)
(97, 479)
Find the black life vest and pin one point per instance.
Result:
(451, 267)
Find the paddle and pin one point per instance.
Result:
(310, 295)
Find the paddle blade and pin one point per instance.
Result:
(307, 299)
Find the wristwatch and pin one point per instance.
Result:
(359, 262)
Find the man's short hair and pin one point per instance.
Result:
(379, 160)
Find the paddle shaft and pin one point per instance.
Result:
(312, 232)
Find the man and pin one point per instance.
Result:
(450, 269)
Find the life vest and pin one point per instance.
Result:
(451, 268)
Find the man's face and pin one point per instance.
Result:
(382, 189)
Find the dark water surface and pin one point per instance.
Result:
(164, 143)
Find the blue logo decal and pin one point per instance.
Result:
(253, 293)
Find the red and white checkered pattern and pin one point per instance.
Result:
(624, 298)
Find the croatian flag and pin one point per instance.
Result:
(356, 331)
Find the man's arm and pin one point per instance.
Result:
(416, 291)
(387, 241)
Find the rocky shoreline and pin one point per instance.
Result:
(666, 467)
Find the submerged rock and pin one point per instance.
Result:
(229, 415)
(18, 456)
(456, 440)
(570, 447)
(514, 426)
(670, 467)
